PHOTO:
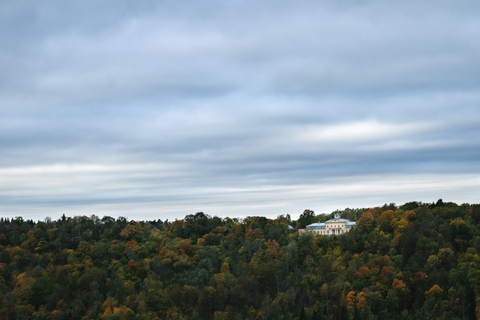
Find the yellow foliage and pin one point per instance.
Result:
(356, 300)
(457, 223)
(225, 267)
(171, 314)
(445, 253)
(361, 300)
(402, 224)
(435, 291)
(352, 299)
(108, 312)
(221, 315)
(253, 234)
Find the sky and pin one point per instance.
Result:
(160, 109)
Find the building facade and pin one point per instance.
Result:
(331, 227)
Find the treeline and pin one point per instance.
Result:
(414, 261)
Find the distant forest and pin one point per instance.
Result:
(414, 261)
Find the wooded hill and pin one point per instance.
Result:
(414, 261)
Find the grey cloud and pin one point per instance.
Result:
(261, 106)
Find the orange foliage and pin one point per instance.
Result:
(131, 243)
(187, 247)
(366, 220)
(107, 304)
(201, 242)
(273, 249)
(419, 276)
(386, 270)
(131, 230)
(132, 266)
(61, 305)
(410, 215)
(362, 272)
(399, 284)
(389, 214)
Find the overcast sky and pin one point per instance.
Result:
(159, 109)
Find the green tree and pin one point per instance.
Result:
(306, 218)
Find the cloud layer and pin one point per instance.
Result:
(162, 109)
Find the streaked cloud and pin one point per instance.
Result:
(366, 130)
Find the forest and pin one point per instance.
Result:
(412, 261)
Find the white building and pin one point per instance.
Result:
(333, 226)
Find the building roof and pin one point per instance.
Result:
(318, 225)
(321, 225)
(338, 220)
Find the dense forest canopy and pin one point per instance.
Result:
(400, 262)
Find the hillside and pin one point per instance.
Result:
(414, 261)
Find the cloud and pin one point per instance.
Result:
(236, 108)
(366, 130)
